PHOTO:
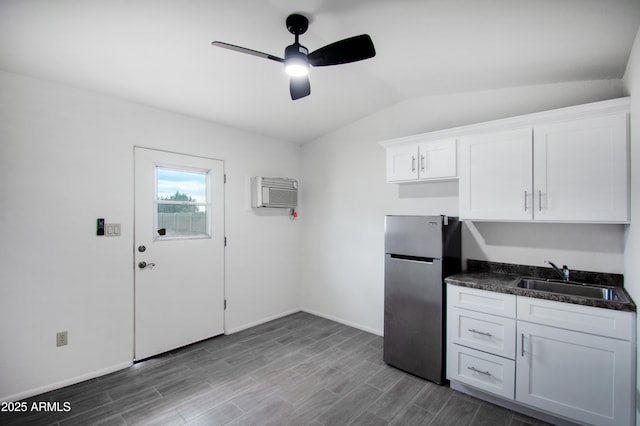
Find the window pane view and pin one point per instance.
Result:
(182, 204)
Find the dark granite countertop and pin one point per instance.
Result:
(489, 279)
(504, 277)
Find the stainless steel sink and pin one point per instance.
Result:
(569, 288)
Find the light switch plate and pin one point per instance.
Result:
(112, 230)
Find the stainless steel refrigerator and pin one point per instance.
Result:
(420, 251)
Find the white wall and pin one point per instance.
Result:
(66, 158)
(345, 199)
(632, 234)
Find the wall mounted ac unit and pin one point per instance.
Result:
(274, 192)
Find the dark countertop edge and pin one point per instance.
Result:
(506, 283)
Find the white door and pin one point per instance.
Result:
(581, 171)
(581, 376)
(496, 176)
(179, 250)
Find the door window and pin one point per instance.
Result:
(182, 203)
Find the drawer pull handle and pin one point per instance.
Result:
(486, 373)
(482, 333)
(522, 345)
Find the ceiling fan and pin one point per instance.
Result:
(297, 58)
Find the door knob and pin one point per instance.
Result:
(145, 265)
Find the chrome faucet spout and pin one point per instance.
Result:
(564, 272)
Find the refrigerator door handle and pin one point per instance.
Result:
(427, 260)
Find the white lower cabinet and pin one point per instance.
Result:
(570, 361)
(481, 331)
(577, 375)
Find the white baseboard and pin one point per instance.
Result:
(262, 321)
(97, 373)
(72, 381)
(342, 321)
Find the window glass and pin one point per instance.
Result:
(182, 203)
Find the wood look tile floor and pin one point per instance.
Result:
(297, 370)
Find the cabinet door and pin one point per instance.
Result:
(496, 176)
(581, 171)
(584, 377)
(402, 163)
(437, 159)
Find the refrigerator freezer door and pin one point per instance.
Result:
(419, 236)
(413, 317)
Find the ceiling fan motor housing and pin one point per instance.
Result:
(295, 50)
(297, 24)
(296, 63)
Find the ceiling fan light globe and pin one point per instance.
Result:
(296, 69)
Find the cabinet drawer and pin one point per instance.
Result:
(482, 370)
(484, 332)
(485, 301)
(587, 319)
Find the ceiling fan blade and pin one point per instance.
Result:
(344, 51)
(247, 51)
(299, 87)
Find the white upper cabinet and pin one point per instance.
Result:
(568, 165)
(410, 160)
(496, 176)
(580, 170)
(564, 165)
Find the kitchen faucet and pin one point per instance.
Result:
(564, 272)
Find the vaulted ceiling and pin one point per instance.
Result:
(158, 52)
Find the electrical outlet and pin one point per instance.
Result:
(61, 338)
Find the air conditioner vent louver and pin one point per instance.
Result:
(274, 192)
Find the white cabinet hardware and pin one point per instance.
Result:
(486, 373)
(482, 333)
